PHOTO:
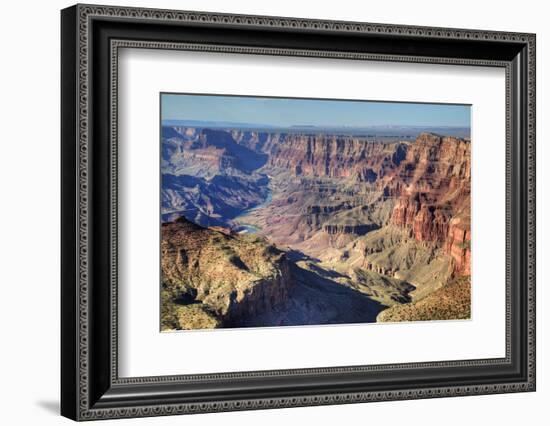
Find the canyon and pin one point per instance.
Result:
(268, 227)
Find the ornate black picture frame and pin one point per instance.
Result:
(90, 38)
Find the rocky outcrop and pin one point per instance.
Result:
(264, 296)
(381, 270)
(218, 279)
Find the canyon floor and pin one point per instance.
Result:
(273, 229)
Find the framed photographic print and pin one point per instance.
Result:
(263, 212)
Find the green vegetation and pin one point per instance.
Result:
(181, 316)
(196, 316)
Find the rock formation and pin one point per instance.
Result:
(229, 277)
(432, 187)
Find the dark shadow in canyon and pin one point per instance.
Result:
(326, 273)
(296, 256)
(313, 300)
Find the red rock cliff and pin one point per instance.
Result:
(333, 156)
(432, 185)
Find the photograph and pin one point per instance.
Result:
(280, 211)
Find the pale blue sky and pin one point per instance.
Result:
(331, 113)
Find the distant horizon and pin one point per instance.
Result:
(380, 131)
(271, 112)
(172, 122)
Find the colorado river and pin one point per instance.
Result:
(247, 227)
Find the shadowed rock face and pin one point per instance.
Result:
(388, 218)
(212, 201)
(206, 152)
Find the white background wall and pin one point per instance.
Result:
(29, 213)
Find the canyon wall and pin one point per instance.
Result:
(333, 156)
(432, 186)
